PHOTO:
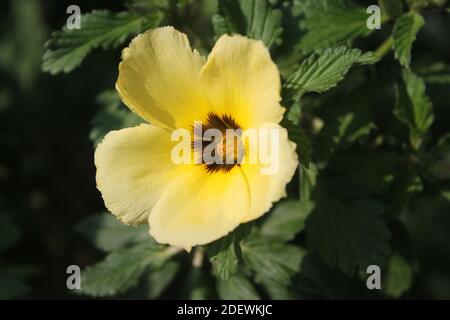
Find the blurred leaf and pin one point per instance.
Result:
(113, 115)
(414, 108)
(347, 126)
(11, 287)
(122, 269)
(349, 235)
(393, 8)
(236, 288)
(100, 28)
(9, 233)
(107, 233)
(423, 4)
(360, 174)
(406, 183)
(308, 178)
(438, 164)
(436, 74)
(224, 254)
(323, 70)
(405, 32)
(446, 194)
(317, 280)
(271, 260)
(399, 276)
(331, 23)
(253, 18)
(194, 286)
(225, 262)
(157, 281)
(286, 219)
(278, 291)
(301, 139)
(144, 7)
(21, 45)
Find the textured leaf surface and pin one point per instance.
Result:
(350, 236)
(271, 260)
(414, 107)
(332, 22)
(122, 269)
(405, 32)
(323, 70)
(254, 18)
(100, 28)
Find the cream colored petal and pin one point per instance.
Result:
(241, 80)
(200, 207)
(268, 177)
(133, 170)
(158, 79)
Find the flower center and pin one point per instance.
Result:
(231, 148)
(223, 149)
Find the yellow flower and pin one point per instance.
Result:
(170, 86)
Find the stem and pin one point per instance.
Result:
(197, 261)
(384, 48)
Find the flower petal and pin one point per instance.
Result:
(266, 189)
(133, 170)
(241, 80)
(200, 207)
(158, 79)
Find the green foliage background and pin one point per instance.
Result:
(368, 109)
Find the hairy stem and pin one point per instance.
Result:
(384, 48)
(197, 261)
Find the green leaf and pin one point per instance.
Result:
(323, 70)
(113, 115)
(100, 28)
(225, 262)
(349, 235)
(9, 233)
(286, 220)
(253, 18)
(414, 108)
(271, 260)
(404, 34)
(224, 254)
(236, 288)
(122, 269)
(107, 233)
(157, 281)
(331, 23)
(399, 276)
